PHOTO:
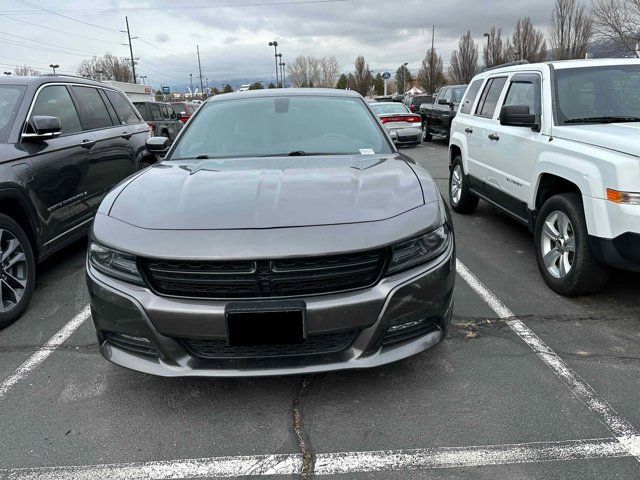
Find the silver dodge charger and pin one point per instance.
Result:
(281, 233)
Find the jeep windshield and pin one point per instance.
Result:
(281, 125)
(9, 100)
(597, 94)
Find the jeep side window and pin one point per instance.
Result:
(123, 109)
(489, 99)
(155, 112)
(472, 93)
(524, 89)
(55, 101)
(92, 108)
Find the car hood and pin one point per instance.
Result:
(620, 137)
(276, 192)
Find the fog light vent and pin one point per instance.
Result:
(131, 343)
(410, 330)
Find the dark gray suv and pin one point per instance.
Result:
(283, 233)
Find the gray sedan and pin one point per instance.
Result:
(404, 127)
(283, 233)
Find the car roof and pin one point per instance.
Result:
(43, 79)
(560, 65)
(285, 92)
(386, 103)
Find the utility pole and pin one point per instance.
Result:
(200, 69)
(133, 62)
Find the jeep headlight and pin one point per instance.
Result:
(115, 264)
(416, 251)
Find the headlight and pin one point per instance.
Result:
(631, 198)
(419, 250)
(115, 264)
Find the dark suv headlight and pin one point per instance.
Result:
(115, 264)
(418, 250)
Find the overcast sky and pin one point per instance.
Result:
(234, 34)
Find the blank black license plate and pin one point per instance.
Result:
(271, 327)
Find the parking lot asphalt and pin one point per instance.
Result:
(556, 399)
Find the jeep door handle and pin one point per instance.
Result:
(87, 143)
(126, 135)
(468, 130)
(494, 136)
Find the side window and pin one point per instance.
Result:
(126, 114)
(55, 101)
(446, 95)
(524, 89)
(172, 113)
(156, 114)
(470, 97)
(489, 100)
(165, 112)
(93, 111)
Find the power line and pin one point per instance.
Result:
(53, 12)
(71, 50)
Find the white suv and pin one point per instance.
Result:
(557, 146)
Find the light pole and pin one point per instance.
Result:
(143, 78)
(404, 78)
(191, 78)
(280, 69)
(489, 59)
(284, 77)
(274, 44)
(53, 67)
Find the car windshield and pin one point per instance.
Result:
(388, 108)
(598, 94)
(9, 101)
(457, 93)
(281, 125)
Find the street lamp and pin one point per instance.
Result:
(284, 77)
(488, 35)
(191, 78)
(53, 67)
(274, 44)
(143, 78)
(404, 77)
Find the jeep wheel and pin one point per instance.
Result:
(562, 248)
(460, 198)
(17, 271)
(426, 134)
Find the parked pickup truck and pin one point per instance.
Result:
(555, 146)
(436, 118)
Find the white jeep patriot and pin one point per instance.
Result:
(557, 146)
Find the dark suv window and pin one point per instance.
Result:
(126, 114)
(471, 96)
(490, 95)
(55, 101)
(92, 109)
(9, 100)
(156, 114)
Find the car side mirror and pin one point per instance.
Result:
(43, 127)
(442, 101)
(518, 116)
(158, 145)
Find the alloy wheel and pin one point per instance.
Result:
(13, 271)
(456, 184)
(558, 244)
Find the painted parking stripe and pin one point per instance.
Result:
(624, 432)
(44, 351)
(334, 463)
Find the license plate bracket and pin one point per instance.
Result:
(265, 323)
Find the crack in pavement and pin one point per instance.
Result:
(308, 459)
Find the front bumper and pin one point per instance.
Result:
(423, 295)
(620, 252)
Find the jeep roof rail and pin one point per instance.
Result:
(509, 64)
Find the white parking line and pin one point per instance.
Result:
(44, 351)
(624, 432)
(334, 463)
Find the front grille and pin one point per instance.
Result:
(265, 278)
(316, 345)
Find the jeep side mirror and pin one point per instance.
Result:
(43, 127)
(518, 116)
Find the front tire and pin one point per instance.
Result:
(17, 271)
(562, 248)
(460, 197)
(426, 133)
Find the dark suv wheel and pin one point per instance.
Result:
(562, 248)
(460, 197)
(17, 271)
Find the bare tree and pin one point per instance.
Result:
(494, 53)
(26, 71)
(619, 22)
(431, 74)
(571, 30)
(361, 80)
(313, 72)
(107, 67)
(298, 72)
(329, 70)
(464, 61)
(527, 43)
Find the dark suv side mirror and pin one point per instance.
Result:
(158, 145)
(43, 127)
(518, 116)
(442, 101)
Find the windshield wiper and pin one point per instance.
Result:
(607, 119)
(298, 153)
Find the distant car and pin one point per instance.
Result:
(244, 88)
(161, 118)
(388, 98)
(184, 110)
(413, 102)
(64, 143)
(398, 119)
(436, 120)
(398, 97)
